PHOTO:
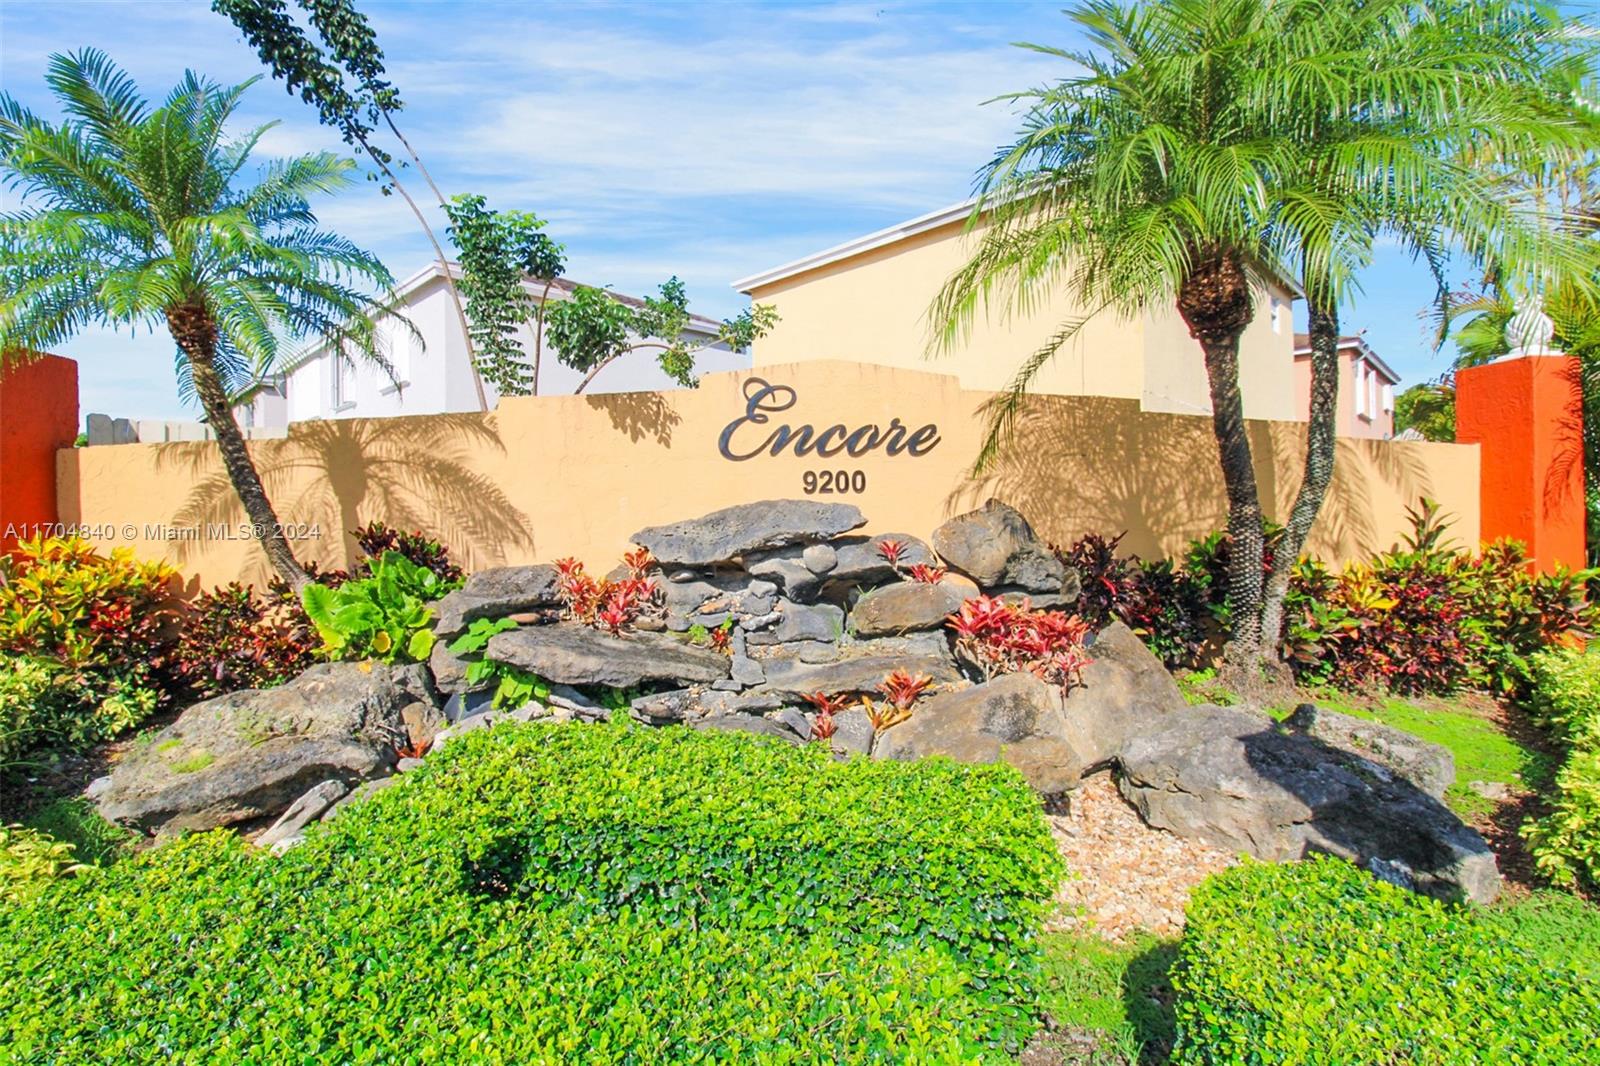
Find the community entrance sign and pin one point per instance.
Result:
(744, 438)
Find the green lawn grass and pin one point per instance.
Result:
(1117, 990)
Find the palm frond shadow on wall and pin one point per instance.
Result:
(411, 473)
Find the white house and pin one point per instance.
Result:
(432, 374)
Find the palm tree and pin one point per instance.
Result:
(1210, 147)
(134, 215)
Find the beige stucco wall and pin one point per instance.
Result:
(545, 477)
(872, 308)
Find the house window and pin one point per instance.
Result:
(1372, 392)
(342, 392)
(1388, 398)
(1361, 388)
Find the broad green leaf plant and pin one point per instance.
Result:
(385, 616)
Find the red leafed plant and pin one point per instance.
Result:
(824, 727)
(892, 551)
(901, 691)
(413, 750)
(639, 563)
(603, 603)
(826, 704)
(1002, 638)
(926, 574)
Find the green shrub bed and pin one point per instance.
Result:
(1318, 962)
(1565, 698)
(558, 894)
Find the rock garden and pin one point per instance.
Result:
(794, 739)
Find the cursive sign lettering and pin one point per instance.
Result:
(762, 400)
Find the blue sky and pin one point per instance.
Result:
(707, 140)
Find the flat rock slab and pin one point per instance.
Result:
(1233, 779)
(995, 546)
(495, 593)
(850, 676)
(250, 754)
(904, 608)
(726, 535)
(1015, 719)
(821, 623)
(572, 654)
(1431, 767)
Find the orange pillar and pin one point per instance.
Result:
(1526, 414)
(38, 415)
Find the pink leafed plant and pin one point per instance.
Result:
(927, 574)
(1003, 638)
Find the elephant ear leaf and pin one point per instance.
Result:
(420, 646)
(318, 601)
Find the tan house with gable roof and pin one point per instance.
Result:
(867, 300)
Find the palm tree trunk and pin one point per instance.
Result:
(1320, 452)
(1215, 304)
(196, 335)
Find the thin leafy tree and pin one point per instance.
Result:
(134, 215)
(349, 87)
(1208, 149)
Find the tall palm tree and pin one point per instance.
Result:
(137, 215)
(1211, 147)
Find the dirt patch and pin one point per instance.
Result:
(1128, 875)
(1070, 1047)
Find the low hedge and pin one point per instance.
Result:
(1565, 698)
(1319, 962)
(559, 894)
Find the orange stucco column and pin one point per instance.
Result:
(38, 415)
(1526, 414)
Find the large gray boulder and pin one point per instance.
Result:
(1015, 718)
(904, 608)
(1232, 779)
(996, 547)
(572, 654)
(495, 593)
(1126, 690)
(250, 754)
(726, 535)
(1431, 767)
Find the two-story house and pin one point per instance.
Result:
(1366, 387)
(867, 300)
(431, 370)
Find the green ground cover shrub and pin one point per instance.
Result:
(1558, 927)
(547, 894)
(1319, 962)
(1565, 697)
